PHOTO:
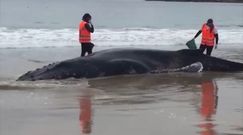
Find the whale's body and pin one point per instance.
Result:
(131, 61)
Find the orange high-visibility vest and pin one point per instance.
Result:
(207, 36)
(84, 34)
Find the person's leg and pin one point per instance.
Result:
(209, 50)
(202, 48)
(83, 49)
(90, 48)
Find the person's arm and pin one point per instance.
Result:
(217, 40)
(198, 33)
(89, 27)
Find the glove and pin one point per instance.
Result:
(90, 25)
(216, 46)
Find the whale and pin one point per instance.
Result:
(121, 61)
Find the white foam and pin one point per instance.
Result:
(18, 38)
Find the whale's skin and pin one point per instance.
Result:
(129, 61)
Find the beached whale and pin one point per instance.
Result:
(131, 61)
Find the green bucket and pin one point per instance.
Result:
(191, 44)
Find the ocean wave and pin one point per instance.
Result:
(30, 38)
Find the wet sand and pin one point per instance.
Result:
(175, 103)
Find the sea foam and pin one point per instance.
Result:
(29, 38)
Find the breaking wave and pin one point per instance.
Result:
(29, 38)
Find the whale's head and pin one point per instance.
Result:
(77, 68)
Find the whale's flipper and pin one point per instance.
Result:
(194, 67)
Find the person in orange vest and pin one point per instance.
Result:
(85, 30)
(209, 34)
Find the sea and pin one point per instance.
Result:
(34, 33)
(45, 23)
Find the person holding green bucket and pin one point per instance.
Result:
(209, 35)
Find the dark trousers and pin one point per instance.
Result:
(204, 47)
(86, 47)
